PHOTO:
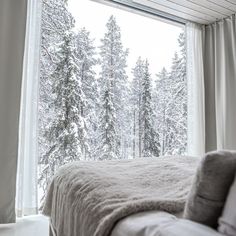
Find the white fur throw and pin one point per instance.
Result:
(88, 198)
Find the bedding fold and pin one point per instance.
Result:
(89, 198)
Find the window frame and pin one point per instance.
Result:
(131, 6)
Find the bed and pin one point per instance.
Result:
(92, 198)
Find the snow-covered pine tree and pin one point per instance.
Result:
(150, 138)
(86, 57)
(136, 101)
(113, 71)
(179, 95)
(161, 96)
(171, 115)
(109, 146)
(171, 110)
(66, 135)
(56, 20)
(184, 92)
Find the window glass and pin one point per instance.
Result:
(112, 86)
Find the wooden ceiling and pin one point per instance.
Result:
(199, 11)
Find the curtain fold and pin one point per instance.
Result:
(12, 37)
(220, 84)
(196, 95)
(27, 188)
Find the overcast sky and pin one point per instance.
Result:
(144, 36)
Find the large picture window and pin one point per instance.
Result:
(112, 86)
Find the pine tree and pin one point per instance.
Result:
(136, 101)
(67, 132)
(113, 73)
(86, 57)
(171, 109)
(161, 97)
(56, 20)
(178, 74)
(151, 146)
(109, 147)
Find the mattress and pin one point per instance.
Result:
(157, 223)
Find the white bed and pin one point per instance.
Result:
(89, 198)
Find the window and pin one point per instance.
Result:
(112, 86)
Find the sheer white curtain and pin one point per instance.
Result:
(196, 94)
(26, 198)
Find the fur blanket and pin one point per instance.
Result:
(88, 198)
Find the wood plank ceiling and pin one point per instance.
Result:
(199, 11)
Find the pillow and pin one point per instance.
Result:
(210, 187)
(227, 222)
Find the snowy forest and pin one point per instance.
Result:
(89, 115)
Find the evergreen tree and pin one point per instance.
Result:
(109, 148)
(86, 57)
(171, 104)
(161, 97)
(150, 139)
(172, 116)
(179, 95)
(136, 101)
(56, 19)
(67, 131)
(113, 65)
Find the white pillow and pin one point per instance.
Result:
(227, 222)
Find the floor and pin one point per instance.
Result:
(27, 226)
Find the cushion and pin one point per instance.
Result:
(210, 187)
(227, 222)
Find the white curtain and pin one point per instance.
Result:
(196, 94)
(220, 84)
(211, 71)
(12, 37)
(27, 200)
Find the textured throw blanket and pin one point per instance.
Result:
(88, 198)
